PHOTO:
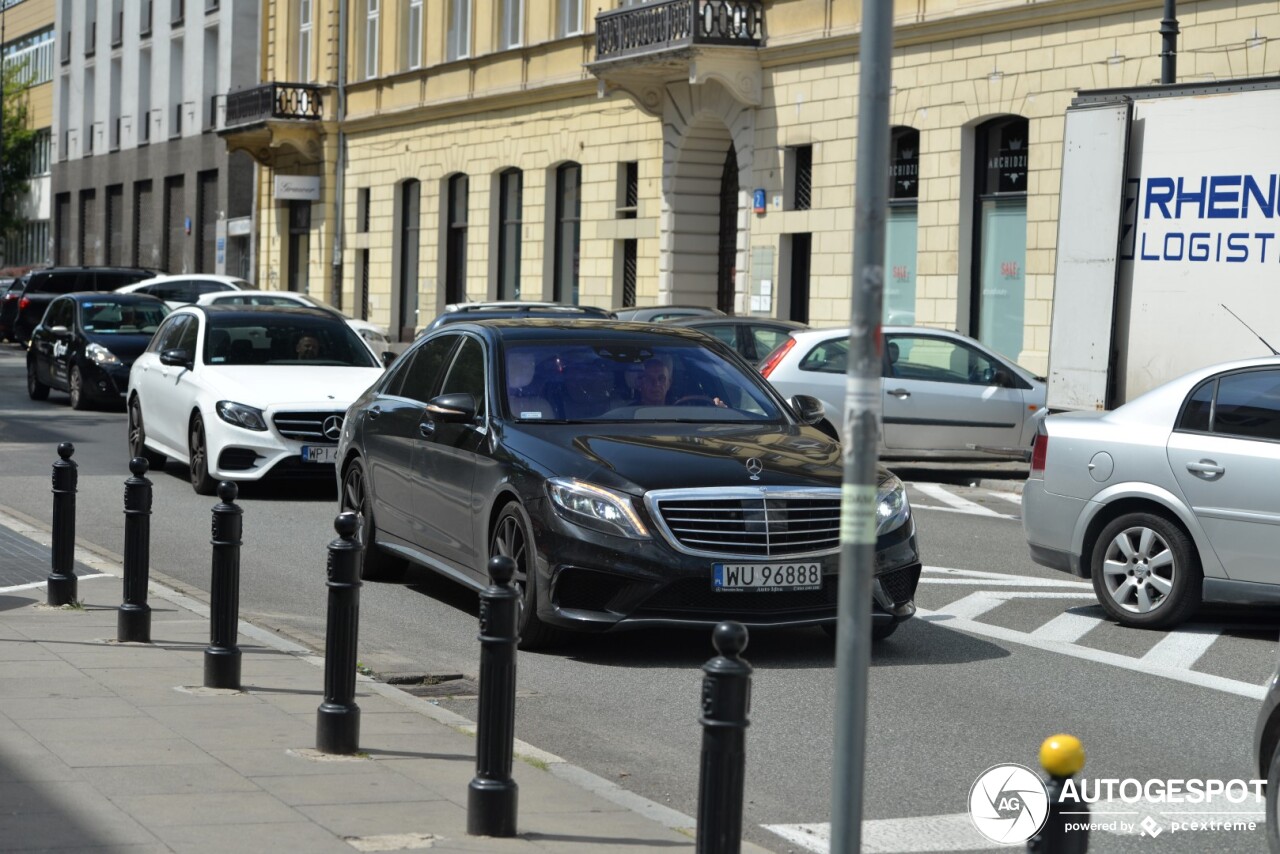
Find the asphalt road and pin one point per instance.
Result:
(1004, 654)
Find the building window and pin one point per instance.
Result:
(798, 167)
(413, 36)
(628, 189)
(510, 201)
(569, 18)
(371, 39)
(62, 229)
(901, 228)
(459, 35)
(206, 221)
(455, 263)
(89, 236)
(511, 25)
(568, 226)
(998, 283)
(32, 56)
(143, 224)
(305, 28)
(40, 153)
(174, 224)
(362, 255)
(115, 225)
(630, 255)
(410, 201)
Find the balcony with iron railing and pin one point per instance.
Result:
(261, 119)
(641, 47)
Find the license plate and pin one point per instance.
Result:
(319, 453)
(767, 577)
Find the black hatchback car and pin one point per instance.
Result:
(638, 476)
(43, 286)
(86, 344)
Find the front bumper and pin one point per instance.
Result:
(589, 581)
(238, 454)
(108, 384)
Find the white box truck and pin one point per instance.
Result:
(1169, 211)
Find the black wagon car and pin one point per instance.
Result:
(86, 344)
(44, 285)
(638, 475)
(753, 337)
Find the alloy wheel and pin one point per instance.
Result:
(75, 388)
(355, 499)
(509, 541)
(137, 436)
(1139, 569)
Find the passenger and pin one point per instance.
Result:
(308, 347)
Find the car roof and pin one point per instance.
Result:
(532, 329)
(190, 277)
(718, 320)
(112, 296)
(95, 268)
(247, 312)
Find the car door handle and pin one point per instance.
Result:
(1205, 467)
(899, 392)
(427, 429)
(374, 412)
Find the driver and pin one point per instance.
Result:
(653, 388)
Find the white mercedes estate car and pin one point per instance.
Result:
(237, 392)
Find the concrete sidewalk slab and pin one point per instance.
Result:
(117, 747)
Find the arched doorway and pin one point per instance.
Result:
(700, 247)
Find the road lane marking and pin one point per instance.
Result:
(1003, 578)
(1182, 648)
(1067, 627)
(894, 835)
(961, 623)
(1015, 497)
(954, 501)
(34, 584)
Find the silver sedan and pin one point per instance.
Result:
(943, 394)
(1168, 500)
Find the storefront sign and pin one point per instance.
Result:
(303, 188)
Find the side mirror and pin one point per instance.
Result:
(1002, 378)
(808, 409)
(388, 356)
(59, 331)
(176, 358)
(458, 408)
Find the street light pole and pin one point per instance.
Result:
(1169, 48)
(861, 428)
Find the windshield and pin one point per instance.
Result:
(268, 339)
(104, 317)
(586, 380)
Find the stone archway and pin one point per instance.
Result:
(700, 126)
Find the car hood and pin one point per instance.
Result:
(126, 348)
(281, 386)
(643, 457)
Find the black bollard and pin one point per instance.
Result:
(133, 620)
(1062, 756)
(62, 577)
(338, 719)
(492, 795)
(726, 700)
(222, 656)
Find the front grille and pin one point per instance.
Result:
(763, 526)
(696, 595)
(306, 426)
(900, 584)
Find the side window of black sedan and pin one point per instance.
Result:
(466, 375)
(61, 313)
(421, 372)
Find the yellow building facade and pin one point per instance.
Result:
(689, 151)
(29, 43)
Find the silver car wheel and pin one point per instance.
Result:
(1139, 570)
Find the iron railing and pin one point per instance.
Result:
(35, 62)
(655, 27)
(273, 101)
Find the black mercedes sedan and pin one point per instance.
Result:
(86, 343)
(638, 475)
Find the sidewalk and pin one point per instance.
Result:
(116, 747)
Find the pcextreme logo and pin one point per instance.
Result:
(1008, 804)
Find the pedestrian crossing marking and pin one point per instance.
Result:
(1068, 627)
(1182, 648)
(937, 492)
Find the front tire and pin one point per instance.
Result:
(36, 390)
(201, 482)
(511, 538)
(1146, 572)
(377, 565)
(75, 388)
(138, 438)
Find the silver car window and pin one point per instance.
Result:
(1248, 405)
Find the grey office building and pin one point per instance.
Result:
(140, 176)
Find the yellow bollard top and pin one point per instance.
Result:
(1062, 755)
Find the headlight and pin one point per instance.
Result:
(596, 507)
(892, 509)
(100, 355)
(241, 415)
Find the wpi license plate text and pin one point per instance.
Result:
(319, 453)
(767, 576)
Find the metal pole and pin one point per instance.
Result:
(133, 621)
(338, 718)
(861, 428)
(62, 577)
(726, 700)
(1169, 51)
(492, 795)
(1062, 756)
(222, 656)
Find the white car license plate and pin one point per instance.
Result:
(769, 577)
(319, 453)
